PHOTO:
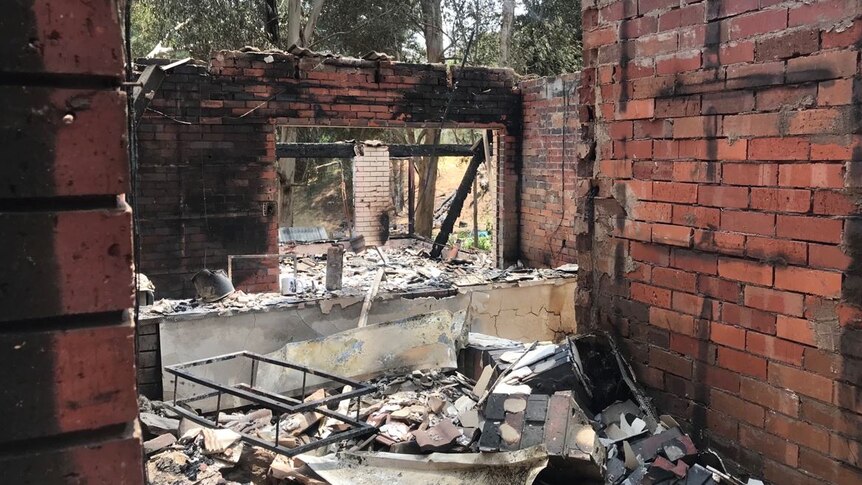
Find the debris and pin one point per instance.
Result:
(437, 438)
(159, 443)
(159, 425)
(334, 267)
(212, 286)
(372, 292)
(362, 468)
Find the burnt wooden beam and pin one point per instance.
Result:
(458, 201)
(345, 150)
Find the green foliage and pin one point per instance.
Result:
(547, 38)
(356, 27)
(197, 28)
(467, 242)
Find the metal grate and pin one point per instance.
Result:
(279, 404)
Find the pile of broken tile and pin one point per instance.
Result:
(576, 401)
(409, 268)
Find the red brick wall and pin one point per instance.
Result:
(212, 134)
(548, 182)
(725, 245)
(67, 389)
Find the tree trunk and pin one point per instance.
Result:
(294, 22)
(427, 168)
(286, 168)
(311, 23)
(432, 21)
(506, 31)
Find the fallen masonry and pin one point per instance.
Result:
(480, 409)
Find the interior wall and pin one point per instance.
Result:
(207, 147)
(67, 389)
(549, 196)
(535, 311)
(725, 252)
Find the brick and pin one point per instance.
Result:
(734, 52)
(696, 172)
(818, 12)
(696, 216)
(785, 148)
(650, 253)
(737, 408)
(43, 41)
(616, 168)
(746, 75)
(748, 222)
(810, 281)
(677, 63)
(677, 106)
(829, 121)
(692, 261)
(787, 44)
(52, 158)
(727, 102)
(652, 170)
(831, 470)
(817, 229)
(671, 320)
(834, 203)
(717, 241)
(674, 279)
(780, 200)
(774, 348)
(742, 362)
(632, 29)
(635, 109)
(656, 44)
(769, 397)
(773, 301)
(671, 235)
(723, 196)
(820, 175)
(674, 192)
(800, 381)
(669, 362)
(828, 256)
(825, 65)
(727, 335)
(729, 9)
(652, 211)
(716, 377)
(756, 23)
(111, 460)
(770, 445)
(696, 127)
(646, 6)
(718, 288)
(638, 149)
(842, 38)
(776, 250)
(846, 423)
(651, 295)
(90, 252)
(681, 17)
(778, 473)
(638, 231)
(695, 305)
(722, 424)
(795, 96)
(652, 129)
(795, 329)
(713, 149)
(84, 366)
(845, 450)
(751, 125)
(837, 92)
(743, 270)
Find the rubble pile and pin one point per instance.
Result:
(408, 268)
(576, 403)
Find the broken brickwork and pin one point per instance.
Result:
(207, 148)
(68, 387)
(548, 182)
(725, 244)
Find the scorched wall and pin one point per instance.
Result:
(67, 385)
(207, 148)
(726, 245)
